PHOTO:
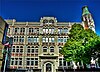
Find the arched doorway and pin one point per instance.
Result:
(48, 67)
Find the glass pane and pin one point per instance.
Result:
(43, 39)
(49, 39)
(52, 39)
(32, 62)
(46, 30)
(46, 39)
(32, 50)
(28, 62)
(20, 62)
(36, 62)
(59, 40)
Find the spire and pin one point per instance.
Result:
(88, 22)
(85, 10)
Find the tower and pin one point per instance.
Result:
(87, 20)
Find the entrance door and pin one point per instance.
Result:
(48, 67)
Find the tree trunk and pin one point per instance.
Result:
(74, 65)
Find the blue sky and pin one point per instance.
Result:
(63, 10)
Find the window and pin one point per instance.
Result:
(16, 61)
(60, 62)
(16, 30)
(32, 30)
(22, 39)
(44, 49)
(36, 39)
(64, 62)
(65, 39)
(29, 39)
(51, 49)
(43, 30)
(12, 61)
(13, 49)
(28, 49)
(32, 61)
(51, 30)
(21, 46)
(60, 39)
(51, 39)
(17, 46)
(46, 39)
(43, 39)
(29, 30)
(45, 21)
(20, 61)
(17, 49)
(60, 30)
(37, 30)
(51, 21)
(15, 38)
(68, 63)
(21, 50)
(36, 61)
(36, 49)
(22, 30)
(32, 39)
(65, 30)
(32, 50)
(46, 30)
(28, 61)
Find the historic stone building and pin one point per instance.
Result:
(36, 45)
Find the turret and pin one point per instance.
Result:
(87, 20)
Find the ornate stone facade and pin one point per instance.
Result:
(36, 45)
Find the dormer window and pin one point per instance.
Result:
(51, 21)
(45, 21)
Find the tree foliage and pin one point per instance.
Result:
(81, 44)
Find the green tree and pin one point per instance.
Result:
(80, 45)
